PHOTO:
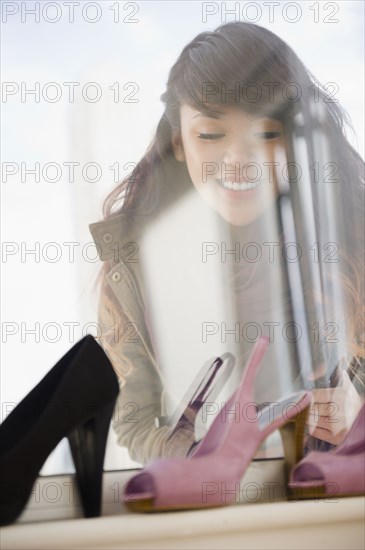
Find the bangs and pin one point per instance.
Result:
(245, 74)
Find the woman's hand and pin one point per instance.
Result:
(333, 411)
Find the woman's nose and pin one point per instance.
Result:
(238, 154)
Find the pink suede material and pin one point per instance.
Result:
(341, 470)
(211, 476)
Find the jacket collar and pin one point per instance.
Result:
(112, 234)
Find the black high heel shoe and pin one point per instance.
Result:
(75, 400)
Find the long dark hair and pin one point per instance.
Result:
(254, 57)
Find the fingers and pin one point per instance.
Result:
(333, 411)
(329, 410)
(325, 422)
(324, 395)
(326, 419)
(327, 435)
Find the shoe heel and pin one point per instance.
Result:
(88, 444)
(292, 435)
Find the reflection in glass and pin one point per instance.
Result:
(236, 224)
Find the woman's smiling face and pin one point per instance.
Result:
(230, 157)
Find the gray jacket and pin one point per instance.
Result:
(144, 394)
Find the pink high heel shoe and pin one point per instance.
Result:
(219, 461)
(336, 473)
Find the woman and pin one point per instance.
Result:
(232, 103)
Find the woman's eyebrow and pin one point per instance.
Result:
(208, 113)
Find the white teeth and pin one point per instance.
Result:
(244, 186)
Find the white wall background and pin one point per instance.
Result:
(106, 132)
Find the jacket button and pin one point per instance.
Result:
(116, 277)
(107, 237)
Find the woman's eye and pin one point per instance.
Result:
(210, 136)
(268, 135)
